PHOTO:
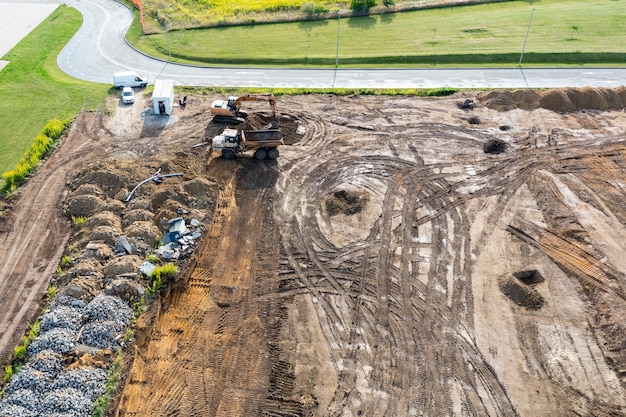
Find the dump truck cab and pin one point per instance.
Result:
(228, 143)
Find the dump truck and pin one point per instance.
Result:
(264, 143)
(229, 111)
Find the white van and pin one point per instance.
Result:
(128, 79)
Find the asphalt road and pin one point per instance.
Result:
(99, 49)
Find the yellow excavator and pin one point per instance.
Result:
(229, 111)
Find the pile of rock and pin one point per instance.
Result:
(44, 386)
(87, 322)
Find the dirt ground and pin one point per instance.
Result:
(405, 256)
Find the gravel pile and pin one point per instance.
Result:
(42, 387)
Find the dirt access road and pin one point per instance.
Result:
(387, 265)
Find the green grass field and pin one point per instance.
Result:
(563, 32)
(35, 91)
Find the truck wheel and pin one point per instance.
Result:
(260, 154)
(143, 85)
(272, 154)
(228, 154)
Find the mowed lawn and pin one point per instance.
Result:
(34, 90)
(485, 34)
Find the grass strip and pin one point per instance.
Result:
(35, 90)
(562, 32)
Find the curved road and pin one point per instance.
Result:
(99, 49)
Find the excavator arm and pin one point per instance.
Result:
(229, 111)
(256, 97)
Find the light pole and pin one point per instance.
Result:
(337, 47)
(526, 38)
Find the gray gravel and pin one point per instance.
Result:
(42, 387)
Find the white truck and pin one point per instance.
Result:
(128, 79)
(265, 143)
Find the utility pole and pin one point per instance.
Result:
(526, 38)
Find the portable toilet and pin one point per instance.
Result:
(163, 97)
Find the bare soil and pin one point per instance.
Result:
(404, 256)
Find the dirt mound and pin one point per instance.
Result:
(563, 100)
(526, 99)
(145, 231)
(124, 265)
(95, 193)
(104, 218)
(557, 100)
(258, 121)
(621, 92)
(200, 192)
(110, 178)
(86, 267)
(498, 100)
(88, 189)
(82, 205)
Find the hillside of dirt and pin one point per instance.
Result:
(456, 256)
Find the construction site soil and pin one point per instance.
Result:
(404, 256)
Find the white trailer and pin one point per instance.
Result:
(128, 79)
(163, 97)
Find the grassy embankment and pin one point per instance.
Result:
(562, 33)
(35, 90)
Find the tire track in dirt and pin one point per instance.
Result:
(35, 235)
(382, 315)
(211, 352)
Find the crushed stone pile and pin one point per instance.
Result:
(85, 323)
(43, 386)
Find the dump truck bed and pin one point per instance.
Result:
(256, 138)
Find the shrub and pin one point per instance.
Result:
(79, 221)
(31, 158)
(51, 292)
(311, 9)
(20, 353)
(165, 272)
(66, 261)
(55, 128)
(362, 6)
(8, 374)
(389, 3)
(153, 259)
(160, 274)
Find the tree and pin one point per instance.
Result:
(362, 6)
(313, 10)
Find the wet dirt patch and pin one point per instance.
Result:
(494, 146)
(345, 202)
(520, 293)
